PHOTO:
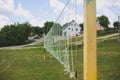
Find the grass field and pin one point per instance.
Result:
(28, 64)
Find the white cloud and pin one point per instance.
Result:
(69, 12)
(53, 3)
(104, 4)
(107, 3)
(37, 22)
(117, 4)
(4, 20)
(105, 7)
(67, 19)
(6, 6)
(22, 12)
(76, 1)
(57, 5)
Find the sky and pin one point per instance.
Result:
(37, 12)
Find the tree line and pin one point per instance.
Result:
(18, 33)
(104, 22)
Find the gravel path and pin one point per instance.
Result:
(38, 41)
(108, 36)
(99, 38)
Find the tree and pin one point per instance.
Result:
(36, 30)
(57, 29)
(116, 24)
(82, 26)
(15, 34)
(47, 26)
(104, 21)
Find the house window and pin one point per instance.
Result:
(74, 24)
(68, 28)
(76, 29)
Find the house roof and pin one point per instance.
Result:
(67, 24)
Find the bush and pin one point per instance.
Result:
(17, 34)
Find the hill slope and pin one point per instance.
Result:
(28, 64)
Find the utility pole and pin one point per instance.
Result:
(90, 52)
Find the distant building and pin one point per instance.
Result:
(71, 29)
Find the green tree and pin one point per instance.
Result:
(57, 29)
(116, 24)
(82, 26)
(104, 21)
(47, 26)
(15, 34)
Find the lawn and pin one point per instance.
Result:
(28, 64)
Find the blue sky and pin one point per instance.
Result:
(39, 11)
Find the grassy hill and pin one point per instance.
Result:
(28, 63)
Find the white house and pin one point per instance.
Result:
(71, 29)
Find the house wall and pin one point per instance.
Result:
(71, 30)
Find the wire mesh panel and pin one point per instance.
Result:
(62, 47)
(64, 42)
(63, 39)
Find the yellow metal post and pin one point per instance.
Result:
(90, 62)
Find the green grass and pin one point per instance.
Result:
(38, 45)
(107, 31)
(28, 64)
(109, 60)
